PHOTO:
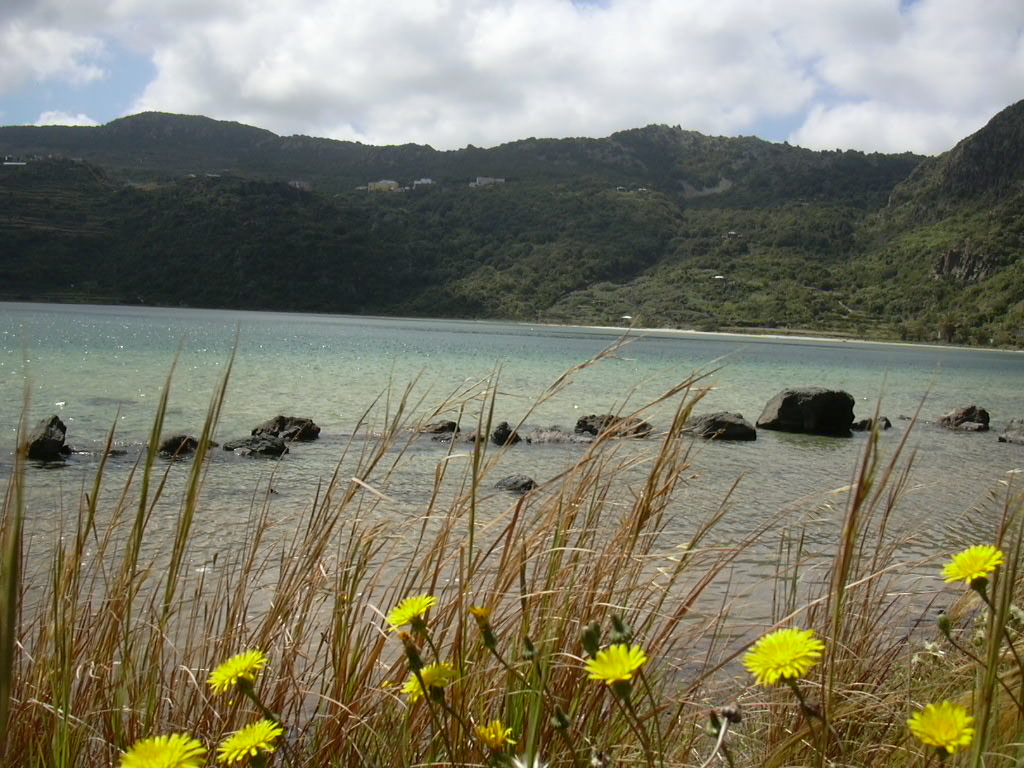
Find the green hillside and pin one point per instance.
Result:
(669, 226)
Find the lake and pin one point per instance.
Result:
(103, 368)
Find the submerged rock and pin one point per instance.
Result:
(289, 428)
(556, 435)
(179, 445)
(969, 419)
(1013, 432)
(722, 425)
(439, 428)
(46, 441)
(865, 425)
(182, 445)
(503, 434)
(619, 427)
(258, 445)
(518, 483)
(810, 410)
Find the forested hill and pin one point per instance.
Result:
(669, 226)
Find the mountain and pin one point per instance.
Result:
(670, 226)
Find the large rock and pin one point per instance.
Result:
(289, 428)
(1013, 432)
(812, 411)
(969, 419)
(258, 445)
(722, 425)
(620, 427)
(46, 441)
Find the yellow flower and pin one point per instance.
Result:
(244, 666)
(410, 611)
(944, 725)
(616, 663)
(249, 741)
(495, 735)
(784, 654)
(438, 675)
(176, 750)
(480, 612)
(973, 563)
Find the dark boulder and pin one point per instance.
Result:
(865, 425)
(1013, 432)
(289, 428)
(258, 445)
(619, 427)
(722, 425)
(969, 419)
(46, 441)
(516, 483)
(179, 445)
(503, 434)
(811, 410)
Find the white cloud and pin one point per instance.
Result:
(851, 73)
(64, 118)
(39, 53)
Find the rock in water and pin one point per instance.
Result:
(627, 427)
(46, 441)
(289, 428)
(1013, 433)
(179, 445)
(811, 410)
(503, 434)
(258, 445)
(722, 425)
(865, 425)
(516, 483)
(969, 419)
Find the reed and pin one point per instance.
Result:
(114, 642)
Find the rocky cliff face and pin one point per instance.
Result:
(988, 163)
(966, 263)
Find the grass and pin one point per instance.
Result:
(112, 639)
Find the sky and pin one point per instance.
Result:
(873, 75)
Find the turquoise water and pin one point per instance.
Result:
(103, 368)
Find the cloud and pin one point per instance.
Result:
(481, 71)
(64, 118)
(924, 79)
(871, 74)
(38, 53)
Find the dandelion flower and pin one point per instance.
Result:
(250, 741)
(438, 675)
(176, 750)
(944, 725)
(973, 563)
(410, 611)
(616, 663)
(784, 654)
(495, 735)
(245, 666)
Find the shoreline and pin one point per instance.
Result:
(777, 335)
(763, 337)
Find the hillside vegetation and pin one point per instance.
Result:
(668, 226)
